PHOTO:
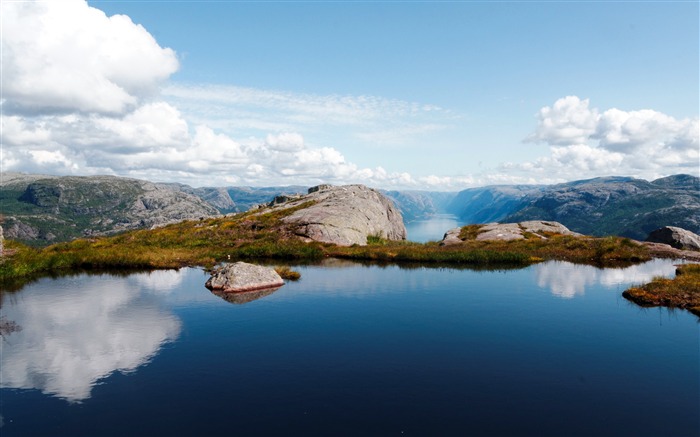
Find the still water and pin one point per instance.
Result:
(432, 229)
(552, 349)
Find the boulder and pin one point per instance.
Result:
(500, 231)
(451, 237)
(240, 276)
(675, 237)
(510, 231)
(345, 215)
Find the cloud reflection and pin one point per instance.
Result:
(567, 280)
(81, 331)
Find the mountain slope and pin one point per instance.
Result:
(419, 205)
(492, 203)
(41, 209)
(619, 206)
(602, 206)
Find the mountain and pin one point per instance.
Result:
(492, 203)
(40, 209)
(236, 199)
(419, 205)
(602, 206)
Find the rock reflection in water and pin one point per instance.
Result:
(77, 331)
(242, 297)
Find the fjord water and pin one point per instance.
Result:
(351, 349)
(432, 229)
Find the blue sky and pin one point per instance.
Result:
(416, 95)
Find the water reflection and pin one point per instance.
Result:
(76, 331)
(243, 297)
(567, 280)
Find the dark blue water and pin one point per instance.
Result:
(351, 350)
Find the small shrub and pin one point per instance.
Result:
(287, 273)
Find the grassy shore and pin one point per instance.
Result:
(683, 291)
(264, 236)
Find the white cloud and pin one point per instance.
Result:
(67, 56)
(587, 142)
(568, 121)
(80, 98)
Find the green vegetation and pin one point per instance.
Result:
(206, 242)
(681, 292)
(287, 273)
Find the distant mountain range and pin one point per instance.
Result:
(40, 209)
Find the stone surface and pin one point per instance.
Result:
(345, 215)
(241, 276)
(451, 237)
(510, 231)
(678, 238)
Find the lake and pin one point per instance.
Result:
(351, 349)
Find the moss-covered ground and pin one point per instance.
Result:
(683, 291)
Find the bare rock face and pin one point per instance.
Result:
(240, 277)
(675, 237)
(346, 215)
(510, 231)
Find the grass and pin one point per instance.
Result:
(683, 291)
(249, 235)
(286, 272)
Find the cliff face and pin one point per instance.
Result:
(345, 215)
(43, 209)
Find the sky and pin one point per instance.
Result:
(411, 95)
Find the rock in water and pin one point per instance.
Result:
(242, 276)
(675, 237)
(346, 215)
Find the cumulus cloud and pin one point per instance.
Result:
(67, 56)
(84, 93)
(586, 141)
(568, 121)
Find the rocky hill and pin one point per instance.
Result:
(41, 209)
(343, 215)
(618, 206)
(602, 206)
(236, 199)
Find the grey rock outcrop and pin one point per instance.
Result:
(510, 231)
(243, 277)
(345, 215)
(678, 238)
(451, 237)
